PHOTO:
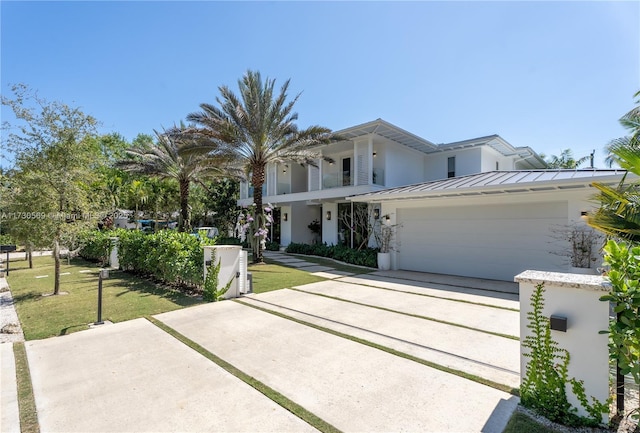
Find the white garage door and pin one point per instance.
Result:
(490, 241)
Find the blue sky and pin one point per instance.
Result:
(549, 75)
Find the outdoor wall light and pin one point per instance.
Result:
(328, 215)
(584, 214)
(558, 323)
(374, 154)
(284, 170)
(387, 218)
(376, 213)
(285, 217)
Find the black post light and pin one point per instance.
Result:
(104, 273)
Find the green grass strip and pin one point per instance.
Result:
(417, 316)
(274, 395)
(26, 401)
(464, 301)
(473, 377)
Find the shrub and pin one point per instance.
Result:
(95, 245)
(272, 246)
(365, 257)
(168, 256)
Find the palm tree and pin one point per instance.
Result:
(139, 194)
(168, 159)
(630, 121)
(258, 128)
(619, 213)
(566, 160)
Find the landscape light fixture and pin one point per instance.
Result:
(328, 215)
(104, 273)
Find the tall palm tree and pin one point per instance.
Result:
(168, 159)
(566, 160)
(619, 213)
(258, 127)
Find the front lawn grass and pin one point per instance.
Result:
(125, 297)
(268, 277)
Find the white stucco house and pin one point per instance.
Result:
(478, 207)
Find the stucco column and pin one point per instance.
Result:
(370, 161)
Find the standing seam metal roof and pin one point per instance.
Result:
(503, 179)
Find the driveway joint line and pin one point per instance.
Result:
(417, 316)
(270, 393)
(464, 301)
(456, 372)
(433, 349)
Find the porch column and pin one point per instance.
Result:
(320, 173)
(370, 161)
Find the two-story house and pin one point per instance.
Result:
(375, 156)
(478, 207)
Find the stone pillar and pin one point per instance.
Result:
(575, 298)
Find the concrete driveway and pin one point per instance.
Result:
(133, 376)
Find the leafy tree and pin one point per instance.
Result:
(51, 189)
(619, 212)
(565, 160)
(168, 159)
(258, 128)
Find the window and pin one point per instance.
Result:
(346, 171)
(451, 166)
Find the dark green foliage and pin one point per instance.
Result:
(624, 334)
(228, 241)
(364, 257)
(168, 256)
(210, 292)
(96, 245)
(272, 246)
(544, 386)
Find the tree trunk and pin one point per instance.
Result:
(30, 254)
(56, 258)
(257, 180)
(185, 224)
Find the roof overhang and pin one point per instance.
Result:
(390, 132)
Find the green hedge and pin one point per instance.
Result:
(366, 257)
(96, 245)
(168, 256)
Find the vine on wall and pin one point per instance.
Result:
(544, 387)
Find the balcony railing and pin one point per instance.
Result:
(336, 180)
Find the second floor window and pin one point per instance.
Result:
(451, 166)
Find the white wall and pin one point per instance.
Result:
(330, 228)
(285, 226)
(300, 217)
(489, 158)
(575, 297)
(403, 166)
(576, 200)
(468, 161)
